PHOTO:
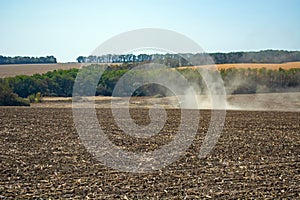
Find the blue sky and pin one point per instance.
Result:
(69, 28)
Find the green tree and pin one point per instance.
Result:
(8, 98)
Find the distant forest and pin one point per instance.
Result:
(26, 60)
(178, 60)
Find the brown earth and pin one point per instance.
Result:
(257, 156)
(30, 69)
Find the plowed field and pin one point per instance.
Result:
(42, 156)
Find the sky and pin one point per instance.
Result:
(70, 28)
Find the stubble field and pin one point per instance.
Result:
(272, 66)
(41, 155)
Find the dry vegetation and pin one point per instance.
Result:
(42, 156)
(285, 66)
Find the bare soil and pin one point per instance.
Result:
(41, 156)
(30, 69)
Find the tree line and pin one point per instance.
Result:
(26, 60)
(60, 82)
(177, 60)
